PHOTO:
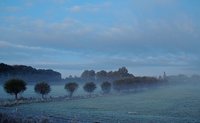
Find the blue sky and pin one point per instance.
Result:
(147, 36)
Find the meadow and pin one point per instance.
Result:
(171, 103)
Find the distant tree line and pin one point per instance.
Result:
(99, 76)
(32, 75)
(27, 73)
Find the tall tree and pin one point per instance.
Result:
(71, 87)
(42, 88)
(15, 86)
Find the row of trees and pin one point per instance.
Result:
(17, 86)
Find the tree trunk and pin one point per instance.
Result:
(90, 94)
(42, 96)
(16, 97)
(70, 94)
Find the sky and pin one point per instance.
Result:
(146, 36)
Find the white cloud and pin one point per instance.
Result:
(7, 45)
(89, 7)
(75, 34)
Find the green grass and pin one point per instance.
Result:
(166, 104)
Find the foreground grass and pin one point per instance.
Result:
(167, 104)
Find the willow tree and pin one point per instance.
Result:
(15, 86)
(71, 88)
(42, 88)
(89, 87)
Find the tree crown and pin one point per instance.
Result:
(71, 87)
(89, 87)
(42, 88)
(15, 86)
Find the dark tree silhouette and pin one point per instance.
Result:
(27, 73)
(101, 75)
(89, 87)
(14, 87)
(88, 75)
(71, 87)
(42, 88)
(106, 87)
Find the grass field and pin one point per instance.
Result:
(179, 104)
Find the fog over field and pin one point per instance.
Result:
(178, 102)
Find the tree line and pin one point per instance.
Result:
(16, 86)
(32, 75)
(27, 73)
(102, 75)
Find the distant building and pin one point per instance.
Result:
(164, 76)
